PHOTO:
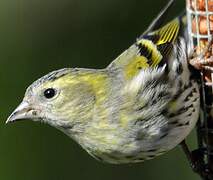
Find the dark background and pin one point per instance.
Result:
(38, 36)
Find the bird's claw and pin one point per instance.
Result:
(197, 163)
(199, 166)
(204, 60)
(201, 63)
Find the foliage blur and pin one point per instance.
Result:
(38, 36)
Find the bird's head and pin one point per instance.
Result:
(63, 99)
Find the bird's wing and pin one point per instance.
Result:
(150, 51)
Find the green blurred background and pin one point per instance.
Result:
(38, 36)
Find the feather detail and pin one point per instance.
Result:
(162, 42)
(150, 51)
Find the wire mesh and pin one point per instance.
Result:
(200, 29)
(194, 16)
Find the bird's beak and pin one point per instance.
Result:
(23, 111)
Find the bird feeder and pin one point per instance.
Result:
(200, 29)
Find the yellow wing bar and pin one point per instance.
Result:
(168, 33)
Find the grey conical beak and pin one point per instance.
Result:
(23, 111)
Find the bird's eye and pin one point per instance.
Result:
(49, 93)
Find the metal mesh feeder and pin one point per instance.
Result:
(200, 29)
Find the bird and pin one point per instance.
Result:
(143, 104)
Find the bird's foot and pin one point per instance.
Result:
(197, 163)
(204, 62)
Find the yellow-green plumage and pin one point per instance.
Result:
(133, 61)
(142, 105)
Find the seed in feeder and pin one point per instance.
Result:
(200, 5)
(210, 5)
(203, 26)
